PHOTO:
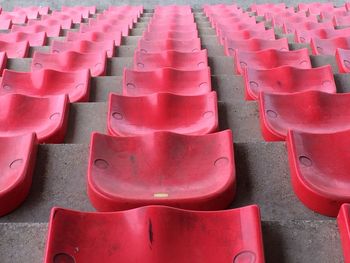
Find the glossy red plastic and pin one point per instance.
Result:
(304, 36)
(310, 111)
(343, 60)
(277, 19)
(146, 46)
(3, 62)
(329, 46)
(32, 11)
(319, 169)
(315, 7)
(51, 31)
(343, 220)
(84, 46)
(246, 34)
(271, 58)
(17, 162)
(262, 8)
(47, 117)
(16, 17)
(5, 24)
(238, 27)
(180, 82)
(113, 20)
(44, 83)
(254, 44)
(171, 27)
(341, 20)
(189, 20)
(15, 50)
(47, 20)
(106, 28)
(144, 235)
(171, 59)
(192, 115)
(290, 28)
(233, 19)
(74, 15)
(34, 39)
(71, 61)
(337, 12)
(154, 169)
(287, 79)
(84, 10)
(163, 35)
(95, 36)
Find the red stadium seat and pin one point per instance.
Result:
(192, 115)
(64, 21)
(17, 161)
(15, 50)
(32, 11)
(95, 36)
(254, 44)
(147, 46)
(246, 34)
(181, 82)
(84, 10)
(329, 46)
(176, 35)
(290, 28)
(304, 36)
(106, 28)
(51, 31)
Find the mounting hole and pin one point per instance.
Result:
(55, 116)
(101, 163)
(16, 163)
(306, 161)
(220, 162)
(347, 63)
(208, 114)
(243, 64)
(117, 115)
(200, 64)
(244, 257)
(38, 65)
(6, 87)
(253, 84)
(271, 113)
(130, 86)
(140, 65)
(203, 85)
(63, 258)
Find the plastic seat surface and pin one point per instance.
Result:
(181, 82)
(343, 60)
(239, 26)
(106, 28)
(95, 36)
(341, 20)
(84, 46)
(319, 169)
(32, 11)
(127, 23)
(329, 46)
(246, 34)
(172, 20)
(288, 17)
(51, 31)
(218, 236)
(271, 58)
(254, 44)
(315, 6)
(304, 36)
(3, 61)
(147, 46)
(192, 115)
(16, 17)
(44, 83)
(47, 20)
(84, 10)
(17, 161)
(34, 39)
(5, 24)
(288, 79)
(177, 35)
(328, 15)
(310, 111)
(74, 15)
(289, 28)
(15, 50)
(343, 220)
(171, 27)
(172, 59)
(184, 171)
(71, 61)
(47, 117)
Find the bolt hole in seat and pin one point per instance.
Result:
(287, 79)
(344, 230)
(271, 58)
(172, 59)
(180, 82)
(47, 82)
(194, 115)
(17, 161)
(162, 168)
(320, 170)
(155, 234)
(309, 111)
(47, 117)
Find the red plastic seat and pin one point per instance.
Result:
(254, 44)
(219, 236)
(246, 34)
(51, 31)
(172, 59)
(193, 115)
(290, 28)
(71, 61)
(16, 17)
(46, 82)
(34, 39)
(147, 46)
(177, 35)
(84, 46)
(233, 20)
(171, 27)
(95, 36)
(329, 46)
(106, 28)
(47, 20)
(341, 20)
(343, 60)
(207, 182)
(188, 20)
(3, 62)
(304, 36)
(320, 170)
(344, 230)
(84, 10)
(310, 111)
(74, 15)
(115, 17)
(238, 26)
(288, 79)
(266, 7)
(15, 50)
(315, 7)
(337, 12)
(181, 82)
(32, 11)
(288, 17)
(17, 161)
(127, 23)
(5, 24)
(271, 58)
(47, 117)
